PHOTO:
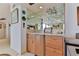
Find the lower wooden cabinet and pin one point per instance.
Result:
(31, 43)
(36, 44)
(39, 45)
(54, 45)
(48, 45)
(53, 52)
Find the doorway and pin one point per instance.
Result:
(4, 34)
(2, 31)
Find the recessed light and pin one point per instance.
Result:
(40, 7)
(32, 16)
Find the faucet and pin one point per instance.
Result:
(42, 24)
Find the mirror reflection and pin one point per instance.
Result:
(45, 17)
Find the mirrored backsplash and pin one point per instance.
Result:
(52, 16)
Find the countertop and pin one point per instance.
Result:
(63, 35)
(42, 33)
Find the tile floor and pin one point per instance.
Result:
(5, 49)
(27, 54)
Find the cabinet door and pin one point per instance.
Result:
(54, 42)
(39, 45)
(55, 45)
(31, 44)
(53, 52)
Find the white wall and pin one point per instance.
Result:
(4, 10)
(5, 13)
(18, 33)
(15, 33)
(23, 31)
(71, 27)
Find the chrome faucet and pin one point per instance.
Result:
(41, 24)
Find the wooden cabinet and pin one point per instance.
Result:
(36, 44)
(39, 45)
(54, 45)
(53, 52)
(31, 43)
(48, 45)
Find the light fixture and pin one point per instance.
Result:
(32, 16)
(40, 7)
(31, 3)
(52, 11)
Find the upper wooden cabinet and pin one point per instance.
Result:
(54, 45)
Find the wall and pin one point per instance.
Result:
(5, 13)
(18, 33)
(4, 10)
(15, 33)
(23, 30)
(71, 27)
(3, 33)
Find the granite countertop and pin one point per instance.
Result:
(42, 33)
(63, 35)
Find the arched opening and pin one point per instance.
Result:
(4, 34)
(2, 31)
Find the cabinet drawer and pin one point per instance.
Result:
(54, 42)
(53, 52)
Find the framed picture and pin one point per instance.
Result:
(14, 16)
